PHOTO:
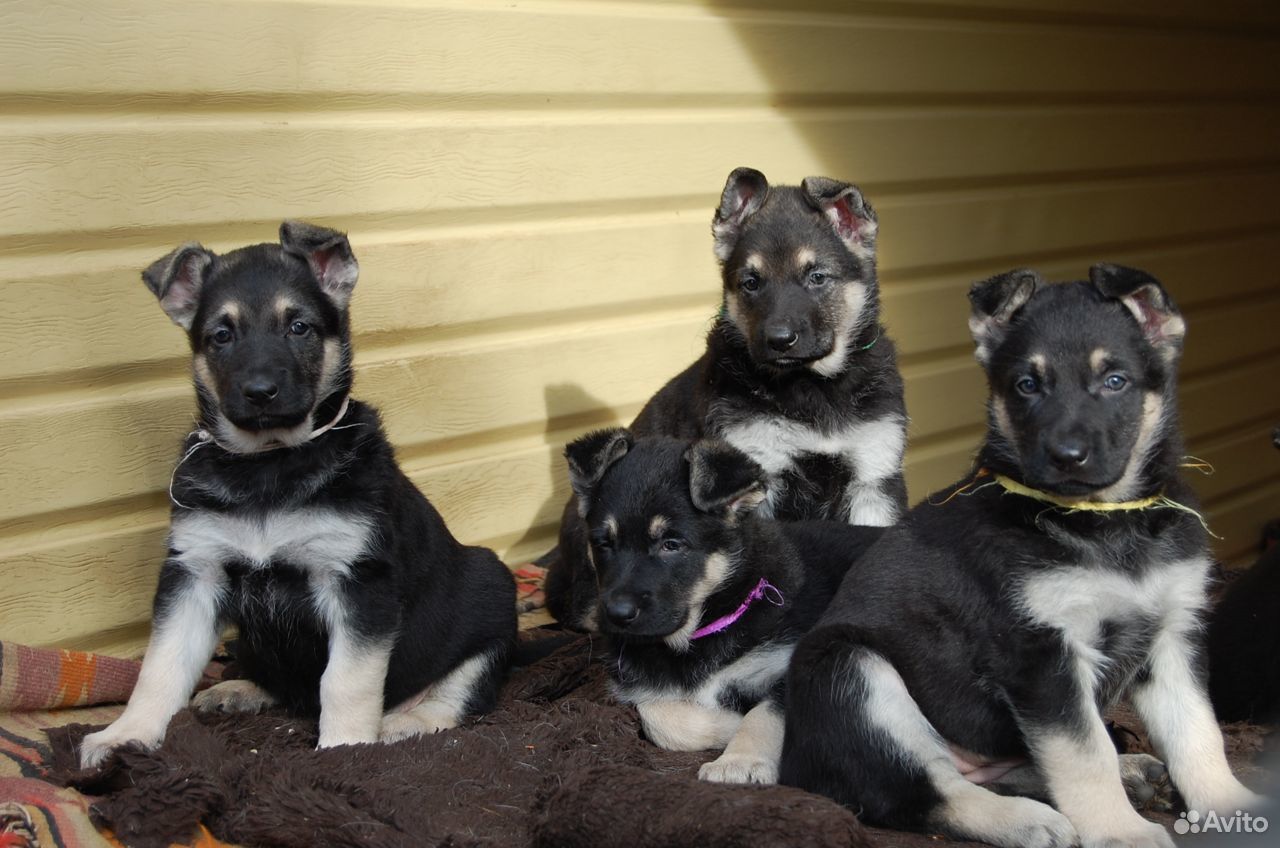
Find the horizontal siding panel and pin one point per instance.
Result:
(1239, 521)
(1211, 403)
(474, 49)
(61, 175)
(517, 275)
(1239, 460)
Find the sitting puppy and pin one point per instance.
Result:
(291, 519)
(1001, 616)
(702, 603)
(798, 372)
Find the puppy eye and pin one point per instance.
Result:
(602, 542)
(221, 335)
(749, 284)
(673, 545)
(1115, 382)
(1027, 385)
(818, 278)
(299, 328)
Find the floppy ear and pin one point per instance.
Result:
(1146, 300)
(850, 214)
(589, 458)
(994, 302)
(723, 479)
(328, 253)
(744, 194)
(176, 280)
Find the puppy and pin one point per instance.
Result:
(291, 519)
(980, 640)
(798, 372)
(701, 602)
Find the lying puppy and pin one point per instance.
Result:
(798, 372)
(702, 603)
(291, 519)
(998, 620)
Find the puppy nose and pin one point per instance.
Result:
(260, 391)
(780, 338)
(622, 610)
(1069, 454)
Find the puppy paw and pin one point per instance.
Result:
(1037, 825)
(739, 768)
(1141, 834)
(95, 747)
(419, 722)
(1146, 782)
(233, 696)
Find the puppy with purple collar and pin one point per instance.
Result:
(700, 602)
(292, 521)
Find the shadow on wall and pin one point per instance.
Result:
(561, 425)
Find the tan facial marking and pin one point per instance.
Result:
(204, 376)
(805, 257)
(283, 306)
(1003, 423)
(231, 310)
(1098, 359)
(611, 526)
(755, 262)
(657, 526)
(1039, 364)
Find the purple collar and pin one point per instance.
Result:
(764, 589)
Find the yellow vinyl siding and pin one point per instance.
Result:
(528, 187)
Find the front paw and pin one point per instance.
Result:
(1146, 782)
(232, 696)
(95, 747)
(1139, 834)
(739, 768)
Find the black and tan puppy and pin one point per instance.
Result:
(701, 602)
(978, 641)
(291, 519)
(798, 372)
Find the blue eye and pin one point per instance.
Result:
(818, 278)
(1027, 385)
(673, 545)
(299, 328)
(1115, 382)
(749, 284)
(221, 336)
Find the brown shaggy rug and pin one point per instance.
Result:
(557, 765)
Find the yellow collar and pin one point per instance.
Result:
(1067, 503)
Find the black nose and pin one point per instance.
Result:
(622, 610)
(260, 391)
(780, 338)
(1068, 454)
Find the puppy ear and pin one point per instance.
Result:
(744, 194)
(993, 304)
(589, 458)
(1146, 300)
(848, 211)
(723, 479)
(328, 253)
(176, 280)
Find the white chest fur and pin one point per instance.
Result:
(314, 540)
(751, 675)
(1081, 600)
(873, 449)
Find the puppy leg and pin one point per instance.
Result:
(685, 726)
(1070, 744)
(441, 705)
(855, 734)
(184, 632)
(233, 696)
(1179, 717)
(753, 753)
(351, 688)
(1145, 779)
